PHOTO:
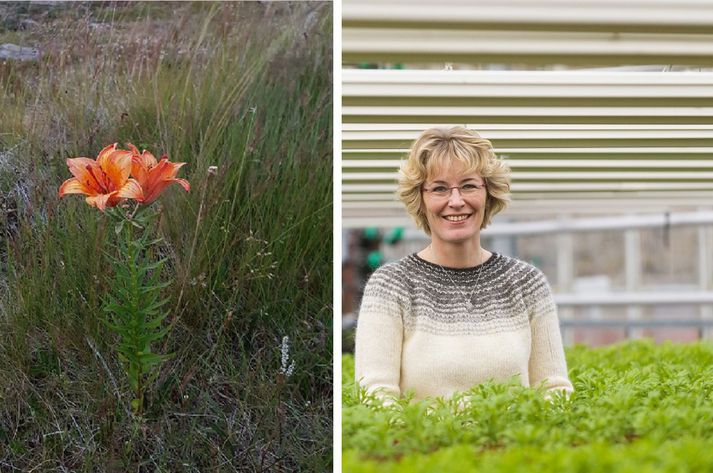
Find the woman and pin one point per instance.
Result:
(454, 314)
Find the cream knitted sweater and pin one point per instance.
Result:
(417, 332)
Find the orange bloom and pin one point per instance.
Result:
(105, 181)
(154, 176)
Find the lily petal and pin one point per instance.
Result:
(138, 170)
(183, 183)
(117, 168)
(74, 186)
(133, 149)
(131, 190)
(148, 159)
(105, 153)
(165, 169)
(102, 201)
(141, 164)
(88, 172)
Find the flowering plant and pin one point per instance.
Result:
(134, 304)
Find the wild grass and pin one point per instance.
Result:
(636, 407)
(243, 87)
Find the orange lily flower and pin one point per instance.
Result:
(154, 176)
(105, 181)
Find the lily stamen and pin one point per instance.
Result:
(100, 187)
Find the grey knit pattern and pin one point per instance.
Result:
(506, 294)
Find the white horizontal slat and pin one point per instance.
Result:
(654, 13)
(677, 297)
(473, 46)
(501, 84)
(682, 150)
(555, 163)
(559, 176)
(419, 111)
(529, 91)
(604, 151)
(516, 79)
(537, 134)
(529, 127)
(559, 186)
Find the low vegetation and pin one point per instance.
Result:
(637, 406)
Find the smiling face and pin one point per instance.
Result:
(456, 217)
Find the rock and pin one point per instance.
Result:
(99, 26)
(28, 24)
(18, 53)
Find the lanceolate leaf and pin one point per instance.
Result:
(145, 290)
(155, 323)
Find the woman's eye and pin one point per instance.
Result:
(439, 189)
(469, 187)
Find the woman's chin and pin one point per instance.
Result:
(457, 235)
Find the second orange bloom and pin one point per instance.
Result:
(153, 176)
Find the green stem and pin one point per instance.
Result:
(136, 301)
(132, 253)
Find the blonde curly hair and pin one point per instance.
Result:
(438, 148)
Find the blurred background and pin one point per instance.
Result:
(604, 112)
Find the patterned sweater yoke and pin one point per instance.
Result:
(435, 330)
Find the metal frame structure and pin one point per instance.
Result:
(614, 148)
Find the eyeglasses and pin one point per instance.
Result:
(443, 192)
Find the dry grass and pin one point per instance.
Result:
(245, 87)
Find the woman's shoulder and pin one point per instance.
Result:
(391, 281)
(398, 270)
(521, 271)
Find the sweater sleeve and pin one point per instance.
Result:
(547, 361)
(379, 337)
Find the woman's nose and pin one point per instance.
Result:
(455, 199)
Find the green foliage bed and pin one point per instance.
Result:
(636, 407)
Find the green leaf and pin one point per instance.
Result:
(159, 304)
(119, 309)
(155, 242)
(148, 289)
(119, 227)
(156, 322)
(151, 359)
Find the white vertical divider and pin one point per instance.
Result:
(565, 275)
(632, 267)
(705, 278)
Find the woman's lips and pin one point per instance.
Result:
(456, 218)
